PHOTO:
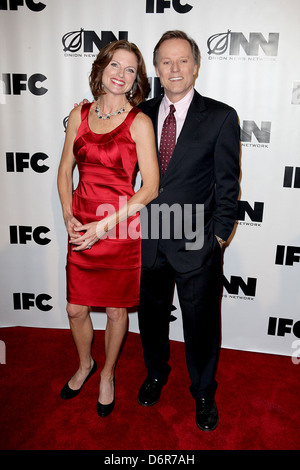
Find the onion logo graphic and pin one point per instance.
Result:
(218, 43)
(72, 41)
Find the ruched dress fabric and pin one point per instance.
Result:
(108, 274)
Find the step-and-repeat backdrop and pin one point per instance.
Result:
(250, 60)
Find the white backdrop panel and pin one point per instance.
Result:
(253, 64)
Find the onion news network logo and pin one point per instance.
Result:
(254, 213)
(261, 132)
(84, 43)
(239, 288)
(235, 46)
(296, 93)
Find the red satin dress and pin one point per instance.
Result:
(107, 275)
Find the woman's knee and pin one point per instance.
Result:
(77, 311)
(116, 314)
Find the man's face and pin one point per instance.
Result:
(176, 68)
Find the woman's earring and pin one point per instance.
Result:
(131, 94)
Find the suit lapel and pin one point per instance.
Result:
(193, 118)
(192, 121)
(152, 112)
(153, 115)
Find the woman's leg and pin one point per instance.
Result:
(82, 332)
(116, 329)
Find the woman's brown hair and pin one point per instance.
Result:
(141, 86)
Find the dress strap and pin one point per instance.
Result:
(85, 110)
(131, 115)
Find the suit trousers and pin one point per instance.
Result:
(199, 294)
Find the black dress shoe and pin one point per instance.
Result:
(105, 410)
(150, 391)
(206, 414)
(67, 392)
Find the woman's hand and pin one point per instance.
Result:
(92, 233)
(71, 222)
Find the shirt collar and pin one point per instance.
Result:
(180, 105)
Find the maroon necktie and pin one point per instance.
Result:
(168, 139)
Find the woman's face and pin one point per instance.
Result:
(119, 75)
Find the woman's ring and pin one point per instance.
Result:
(89, 247)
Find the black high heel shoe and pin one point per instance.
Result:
(105, 410)
(67, 392)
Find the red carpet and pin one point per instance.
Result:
(257, 398)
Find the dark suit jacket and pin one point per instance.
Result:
(204, 170)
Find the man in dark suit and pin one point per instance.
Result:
(203, 173)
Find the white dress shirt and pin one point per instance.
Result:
(181, 107)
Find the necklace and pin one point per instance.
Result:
(107, 116)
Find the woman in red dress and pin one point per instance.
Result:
(107, 139)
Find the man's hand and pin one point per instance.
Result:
(85, 101)
(221, 241)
